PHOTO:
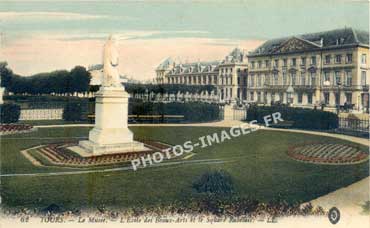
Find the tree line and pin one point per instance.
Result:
(78, 80)
(168, 88)
(59, 81)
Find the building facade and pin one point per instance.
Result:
(229, 75)
(96, 72)
(328, 68)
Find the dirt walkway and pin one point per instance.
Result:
(348, 199)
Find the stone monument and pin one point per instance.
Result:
(110, 133)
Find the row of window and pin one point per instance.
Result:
(348, 97)
(223, 70)
(226, 93)
(274, 79)
(226, 70)
(280, 97)
(303, 61)
(276, 62)
(205, 80)
(330, 78)
(194, 80)
(337, 59)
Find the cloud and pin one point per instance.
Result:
(122, 35)
(41, 15)
(138, 57)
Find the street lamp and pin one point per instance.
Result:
(338, 94)
(323, 102)
(290, 92)
(147, 94)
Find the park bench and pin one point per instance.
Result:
(284, 124)
(91, 117)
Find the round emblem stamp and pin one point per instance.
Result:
(334, 215)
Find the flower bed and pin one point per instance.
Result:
(58, 154)
(7, 129)
(327, 153)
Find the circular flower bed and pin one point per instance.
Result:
(325, 153)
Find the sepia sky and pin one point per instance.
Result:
(40, 36)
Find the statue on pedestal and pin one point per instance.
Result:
(111, 76)
(110, 133)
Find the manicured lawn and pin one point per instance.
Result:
(257, 162)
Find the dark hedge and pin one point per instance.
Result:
(192, 111)
(73, 112)
(9, 113)
(301, 118)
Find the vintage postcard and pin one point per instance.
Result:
(240, 113)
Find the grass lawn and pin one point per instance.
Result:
(257, 163)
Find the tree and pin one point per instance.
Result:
(80, 79)
(6, 74)
(60, 81)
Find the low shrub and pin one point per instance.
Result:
(73, 112)
(217, 182)
(9, 113)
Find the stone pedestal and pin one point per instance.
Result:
(110, 133)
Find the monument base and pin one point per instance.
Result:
(87, 148)
(110, 134)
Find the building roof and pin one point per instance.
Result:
(329, 39)
(195, 67)
(95, 67)
(236, 56)
(165, 64)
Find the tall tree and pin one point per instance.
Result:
(6, 74)
(80, 79)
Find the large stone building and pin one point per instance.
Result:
(96, 72)
(309, 70)
(228, 75)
